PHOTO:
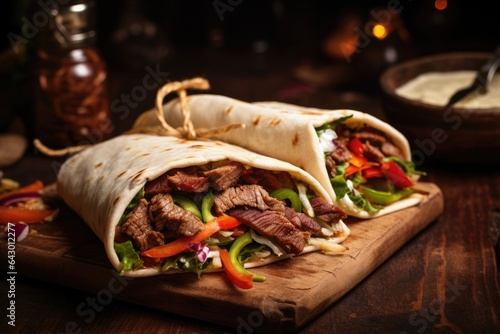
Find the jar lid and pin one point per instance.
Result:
(71, 25)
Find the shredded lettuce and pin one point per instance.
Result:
(331, 125)
(187, 261)
(129, 258)
(342, 189)
(408, 166)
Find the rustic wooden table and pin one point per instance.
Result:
(444, 280)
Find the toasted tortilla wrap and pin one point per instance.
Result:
(290, 133)
(107, 183)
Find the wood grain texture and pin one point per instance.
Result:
(296, 291)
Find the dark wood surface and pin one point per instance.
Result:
(444, 280)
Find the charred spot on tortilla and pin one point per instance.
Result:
(256, 121)
(275, 122)
(167, 150)
(295, 139)
(310, 112)
(99, 164)
(180, 140)
(196, 147)
(145, 154)
(122, 173)
(228, 110)
(128, 148)
(116, 200)
(138, 175)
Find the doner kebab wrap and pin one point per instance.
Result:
(164, 204)
(363, 163)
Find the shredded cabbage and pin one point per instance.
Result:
(265, 241)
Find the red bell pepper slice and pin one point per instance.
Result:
(242, 280)
(372, 172)
(12, 214)
(30, 188)
(357, 160)
(180, 245)
(356, 146)
(226, 222)
(396, 175)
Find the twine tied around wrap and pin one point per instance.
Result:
(186, 131)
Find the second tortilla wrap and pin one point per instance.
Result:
(285, 132)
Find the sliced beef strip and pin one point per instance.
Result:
(372, 153)
(380, 140)
(165, 214)
(330, 166)
(389, 149)
(138, 228)
(272, 225)
(246, 195)
(325, 211)
(370, 135)
(302, 221)
(189, 182)
(157, 186)
(225, 176)
(269, 180)
(341, 154)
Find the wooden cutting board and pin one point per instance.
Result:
(296, 290)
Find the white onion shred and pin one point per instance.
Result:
(326, 140)
(226, 233)
(326, 231)
(327, 246)
(265, 241)
(215, 256)
(263, 254)
(304, 200)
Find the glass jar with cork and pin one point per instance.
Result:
(70, 88)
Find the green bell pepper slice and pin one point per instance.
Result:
(383, 197)
(235, 250)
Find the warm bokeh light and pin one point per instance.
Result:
(440, 4)
(379, 31)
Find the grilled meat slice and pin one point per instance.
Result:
(269, 180)
(249, 196)
(188, 182)
(165, 214)
(373, 153)
(225, 176)
(138, 228)
(272, 225)
(327, 212)
(341, 154)
(302, 221)
(157, 186)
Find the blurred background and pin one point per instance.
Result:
(307, 51)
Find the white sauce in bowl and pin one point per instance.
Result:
(436, 88)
